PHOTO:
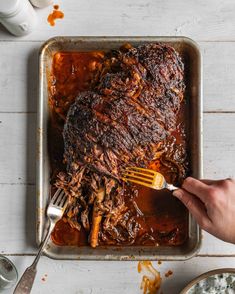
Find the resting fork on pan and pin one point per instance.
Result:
(146, 177)
(55, 211)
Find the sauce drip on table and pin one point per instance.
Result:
(162, 218)
(151, 280)
(56, 14)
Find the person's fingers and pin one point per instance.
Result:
(196, 187)
(208, 182)
(195, 206)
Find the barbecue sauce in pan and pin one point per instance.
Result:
(160, 215)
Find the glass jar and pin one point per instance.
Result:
(18, 16)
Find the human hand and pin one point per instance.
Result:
(212, 203)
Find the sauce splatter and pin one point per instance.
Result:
(44, 278)
(151, 280)
(56, 14)
(159, 262)
(168, 274)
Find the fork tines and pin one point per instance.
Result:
(59, 198)
(138, 175)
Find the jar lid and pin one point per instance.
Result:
(8, 273)
(8, 7)
(41, 3)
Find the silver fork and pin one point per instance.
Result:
(55, 212)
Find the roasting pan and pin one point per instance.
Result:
(189, 50)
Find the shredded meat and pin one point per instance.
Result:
(122, 120)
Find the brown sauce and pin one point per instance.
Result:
(151, 279)
(161, 215)
(169, 273)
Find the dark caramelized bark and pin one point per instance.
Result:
(131, 109)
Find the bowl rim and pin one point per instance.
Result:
(10, 283)
(206, 275)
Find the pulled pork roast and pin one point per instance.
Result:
(121, 121)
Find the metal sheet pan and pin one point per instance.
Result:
(189, 50)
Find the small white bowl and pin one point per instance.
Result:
(207, 275)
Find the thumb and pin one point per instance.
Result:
(195, 206)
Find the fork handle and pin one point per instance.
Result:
(171, 187)
(44, 243)
(25, 284)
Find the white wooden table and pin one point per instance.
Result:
(212, 24)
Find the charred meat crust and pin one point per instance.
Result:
(131, 108)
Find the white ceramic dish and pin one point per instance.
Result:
(215, 281)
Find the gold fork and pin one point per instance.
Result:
(146, 177)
